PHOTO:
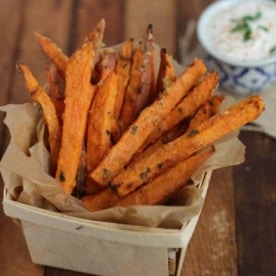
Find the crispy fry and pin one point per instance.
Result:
(101, 127)
(169, 154)
(133, 89)
(53, 52)
(215, 103)
(105, 65)
(101, 200)
(200, 94)
(202, 114)
(101, 121)
(149, 118)
(149, 92)
(166, 75)
(79, 94)
(57, 87)
(141, 83)
(96, 36)
(123, 72)
(207, 110)
(40, 96)
(162, 187)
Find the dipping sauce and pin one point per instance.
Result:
(246, 31)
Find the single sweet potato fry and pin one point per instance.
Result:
(202, 114)
(79, 93)
(215, 103)
(53, 52)
(57, 87)
(105, 65)
(168, 183)
(141, 89)
(129, 107)
(97, 36)
(122, 70)
(101, 127)
(39, 95)
(101, 121)
(100, 200)
(148, 93)
(166, 75)
(173, 152)
(132, 139)
(207, 110)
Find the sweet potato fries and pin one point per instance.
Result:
(123, 132)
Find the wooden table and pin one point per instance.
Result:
(236, 232)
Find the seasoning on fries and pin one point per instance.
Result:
(126, 132)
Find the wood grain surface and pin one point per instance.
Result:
(236, 231)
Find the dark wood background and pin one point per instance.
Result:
(236, 232)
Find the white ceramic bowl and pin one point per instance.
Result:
(236, 75)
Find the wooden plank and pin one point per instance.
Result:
(187, 12)
(212, 250)
(51, 271)
(255, 194)
(187, 15)
(12, 12)
(87, 15)
(160, 13)
(11, 17)
(50, 18)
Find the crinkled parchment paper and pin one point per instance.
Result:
(25, 166)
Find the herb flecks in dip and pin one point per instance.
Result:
(246, 32)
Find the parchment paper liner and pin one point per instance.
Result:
(24, 168)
